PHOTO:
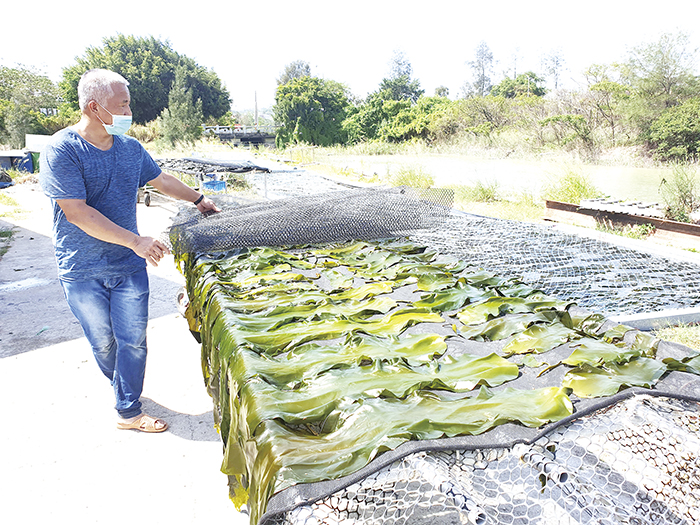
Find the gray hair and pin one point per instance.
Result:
(96, 84)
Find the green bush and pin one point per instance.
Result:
(411, 176)
(675, 135)
(480, 191)
(680, 193)
(571, 187)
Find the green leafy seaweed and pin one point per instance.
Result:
(591, 381)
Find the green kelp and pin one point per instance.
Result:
(690, 364)
(540, 338)
(606, 380)
(595, 352)
(506, 326)
(322, 357)
(358, 431)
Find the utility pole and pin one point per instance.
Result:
(256, 110)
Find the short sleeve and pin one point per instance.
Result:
(149, 168)
(61, 172)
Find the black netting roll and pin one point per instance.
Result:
(338, 216)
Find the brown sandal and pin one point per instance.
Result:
(144, 423)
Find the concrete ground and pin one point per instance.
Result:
(61, 457)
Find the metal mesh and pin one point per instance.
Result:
(364, 214)
(637, 462)
(598, 275)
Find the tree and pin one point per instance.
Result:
(607, 97)
(25, 94)
(675, 135)
(181, 121)
(374, 118)
(663, 70)
(16, 120)
(28, 87)
(525, 84)
(401, 88)
(515, 57)
(412, 121)
(482, 69)
(399, 85)
(554, 65)
(311, 110)
(659, 75)
(149, 66)
(365, 122)
(442, 91)
(399, 65)
(296, 69)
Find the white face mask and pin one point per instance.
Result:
(120, 123)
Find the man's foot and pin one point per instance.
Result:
(143, 423)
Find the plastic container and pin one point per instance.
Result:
(214, 185)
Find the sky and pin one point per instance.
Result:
(249, 43)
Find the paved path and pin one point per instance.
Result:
(61, 457)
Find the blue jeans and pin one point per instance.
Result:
(114, 314)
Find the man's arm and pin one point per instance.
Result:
(173, 187)
(97, 225)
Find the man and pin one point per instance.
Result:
(92, 172)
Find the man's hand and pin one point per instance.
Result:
(173, 187)
(150, 249)
(207, 206)
(97, 225)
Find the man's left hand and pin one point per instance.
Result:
(208, 206)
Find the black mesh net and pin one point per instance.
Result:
(364, 214)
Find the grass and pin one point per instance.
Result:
(9, 207)
(481, 191)
(571, 186)
(680, 193)
(631, 231)
(685, 334)
(415, 177)
(519, 208)
(5, 238)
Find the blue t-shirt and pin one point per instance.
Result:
(72, 168)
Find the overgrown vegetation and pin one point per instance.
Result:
(648, 101)
(680, 193)
(410, 176)
(571, 186)
(632, 231)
